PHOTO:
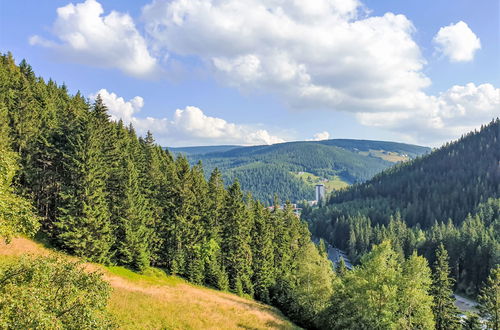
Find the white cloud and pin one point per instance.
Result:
(321, 136)
(87, 36)
(327, 54)
(457, 42)
(454, 112)
(317, 53)
(188, 126)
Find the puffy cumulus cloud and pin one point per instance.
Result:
(188, 126)
(321, 136)
(448, 115)
(87, 36)
(317, 53)
(457, 42)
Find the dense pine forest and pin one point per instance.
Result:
(101, 192)
(93, 188)
(450, 196)
(286, 169)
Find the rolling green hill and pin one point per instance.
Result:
(292, 169)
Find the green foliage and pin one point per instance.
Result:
(51, 293)
(451, 196)
(16, 213)
(267, 170)
(382, 293)
(471, 322)
(489, 300)
(109, 196)
(445, 311)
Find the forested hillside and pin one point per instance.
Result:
(450, 196)
(109, 196)
(292, 169)
(92, 188)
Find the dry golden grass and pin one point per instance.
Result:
(154, 300)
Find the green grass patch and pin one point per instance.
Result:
(389, 156)
(331, 184)
(151, 275)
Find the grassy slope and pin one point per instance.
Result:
(332, 184)
(154, 300)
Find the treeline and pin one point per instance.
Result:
(447, 184)
(474, 246)
(106, 195)
(265, 181)
(450, 196)
(265, 170)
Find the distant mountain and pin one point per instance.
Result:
(292, 169)
(201, 150)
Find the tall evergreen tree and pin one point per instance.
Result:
(445, 311)
(236, 241)
(262, 253)
(215, 274)
(489, 300)
(84, 226)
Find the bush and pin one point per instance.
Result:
(52, 293)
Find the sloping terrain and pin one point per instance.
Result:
(292, 169)
(154, 300)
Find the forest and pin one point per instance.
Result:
(268, 170)
(93, 188)
(450, 196)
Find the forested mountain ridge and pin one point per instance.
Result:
(91, 187)
(292, 169)
(450, 196)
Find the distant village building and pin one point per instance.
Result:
(320, 192)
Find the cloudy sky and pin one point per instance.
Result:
(205, 72)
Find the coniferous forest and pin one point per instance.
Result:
(93, 188)
(450, 197)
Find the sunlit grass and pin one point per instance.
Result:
(156, 300)
(332, 183)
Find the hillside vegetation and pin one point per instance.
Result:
(450, 196)
(285, 168)
(154, 300)
(94, 189)
(98, 191)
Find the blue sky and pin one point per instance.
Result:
(200, 72)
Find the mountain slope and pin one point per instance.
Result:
(447, 184)
(157, 301)
(449, 197)
(292, 169)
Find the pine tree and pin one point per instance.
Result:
(262, 253)
(341, 268)
(215, 274)
(236, 241)
(83, 226)
(489, 300)
(471, 322)
(445, 311)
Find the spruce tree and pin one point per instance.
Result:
(262, 253)
(471, 322)
(236, 241)
(84, 226)
(489, 300)
(445, 311)
(215, 274)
